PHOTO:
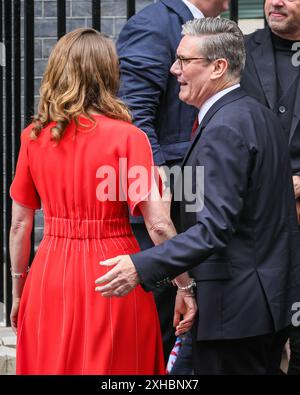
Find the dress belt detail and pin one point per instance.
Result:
(87, 228)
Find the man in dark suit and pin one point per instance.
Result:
(272, 75)
(146, 46)
(242, 241)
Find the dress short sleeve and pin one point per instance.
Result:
(142, 175)
(23, 189)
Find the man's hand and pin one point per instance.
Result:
(121, 279)
(296, 182)
(185, 305)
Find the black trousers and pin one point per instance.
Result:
(294, 364)
(259, 355)
(164, 295)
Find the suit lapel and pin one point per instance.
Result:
(296, 117)
(193, 143)
(228, 98)
(179, 8)
(263, 57)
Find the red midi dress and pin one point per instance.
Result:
(64, 325)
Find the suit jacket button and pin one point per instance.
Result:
(282, 109)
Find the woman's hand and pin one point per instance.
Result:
(14, 314)
(186, 306)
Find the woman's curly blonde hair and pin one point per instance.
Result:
(82, 76)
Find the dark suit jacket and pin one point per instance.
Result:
(260, 81)
(147, 47)
(243, 245)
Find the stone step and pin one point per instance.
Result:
(8, 342)
(6, 332)
(7, 360)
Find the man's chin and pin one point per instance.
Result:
(278, 27)
(183, 97)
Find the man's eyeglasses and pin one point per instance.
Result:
(183, 62)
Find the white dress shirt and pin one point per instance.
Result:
(212, 100)
(194, 10)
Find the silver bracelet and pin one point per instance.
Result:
(187, 287)
(19, 275)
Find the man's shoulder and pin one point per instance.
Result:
(239, 111)
(246, 102)
(244, 115)
(152, 12)
(156, 22)
(228, 104)
(256, 38)
(153, 19)
(161, 11)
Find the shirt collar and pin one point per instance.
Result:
(212, 100)
(194, 10)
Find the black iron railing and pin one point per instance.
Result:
(61, 17)
(13, 114)
(234, 10)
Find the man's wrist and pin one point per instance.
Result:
(140, 279)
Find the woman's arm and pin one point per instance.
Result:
(19, 246)
(161, 228)
(158, 223)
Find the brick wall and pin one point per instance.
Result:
(78, 12)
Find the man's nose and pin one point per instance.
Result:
(175, 68)
(277, 3)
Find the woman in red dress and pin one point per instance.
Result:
(69, 163)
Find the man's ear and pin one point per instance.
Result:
(220, 67)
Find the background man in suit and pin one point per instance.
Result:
(272, 75)
(146, 47)
(243, 244)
